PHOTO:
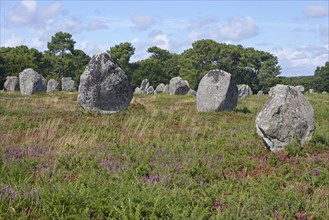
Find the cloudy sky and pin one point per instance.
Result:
(295, 31)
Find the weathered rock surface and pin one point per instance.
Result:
(244, 91)
(104, 86)
(150, 90)
(260, 92)
(52, 86)
(286, 115)
(217, 91)
(138, 90)
(166, 89)
(300, 88)
(178, 86)
(159, 88)
(11, 84)
(31, 82)
(144, 85)
(192, 92)
(68, 84)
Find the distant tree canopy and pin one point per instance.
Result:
(259, 69)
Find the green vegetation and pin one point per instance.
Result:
(158, 159)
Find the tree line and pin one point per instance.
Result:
(258, 69)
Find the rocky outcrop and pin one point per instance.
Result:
(217, 91)
(300, 88)
(244, 91)
(287, 115)
(68, 84)
(104, 86)
(11, 84)
(150, 90)
(178, 86)
(31, 82)
(159, 88)
(52, 86)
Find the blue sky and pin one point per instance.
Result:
(295, 31)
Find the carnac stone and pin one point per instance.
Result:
(150, 90)
(31, 82)
(287, 115)
(138, 90)
(68, 84)
(192, 92)
(104, 86)
(166, 89)
(52, 86)
(11, 84)
(300, 88)
(178, 86)
(217, 91)
(244, 91)
(144, 85)
(159, 88)
(260, 92)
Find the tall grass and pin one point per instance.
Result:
(159, 159)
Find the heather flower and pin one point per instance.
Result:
(151, 178)
(7, 193)
(111, 165)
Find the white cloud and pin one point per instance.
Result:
(28, 13)
(315, 11)
(142, 22)
(202, 22)
(306, 57)
(97, 25)
(13, 41)
(161, 40)
(238, 29)
(88, 47)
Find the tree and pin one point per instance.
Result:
(59, 45)
(321, 75)
(122, 54)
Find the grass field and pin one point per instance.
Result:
(159, 159)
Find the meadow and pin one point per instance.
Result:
(160, 159)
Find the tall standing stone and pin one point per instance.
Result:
(52, 86)
(244, 91)
(166, 89)
(144, 85)
(217, 91)
(11, 84)
(104, 86)
(286, 115)
(31, 82)
(178, 86)
(68, 84)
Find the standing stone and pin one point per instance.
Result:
(159, 88)
(311, 90)
(192, 92)
(68, 84)
(178, 86)
(150, 90)
(144, 85)
(11, 84)
(166, 89)
(104, 86)
(217, 91)
(31, 82)
(286, 115)
(138, 90)
(52, 86)
(244, 91)
(300, 88)
(260, 92)
(324, 92)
